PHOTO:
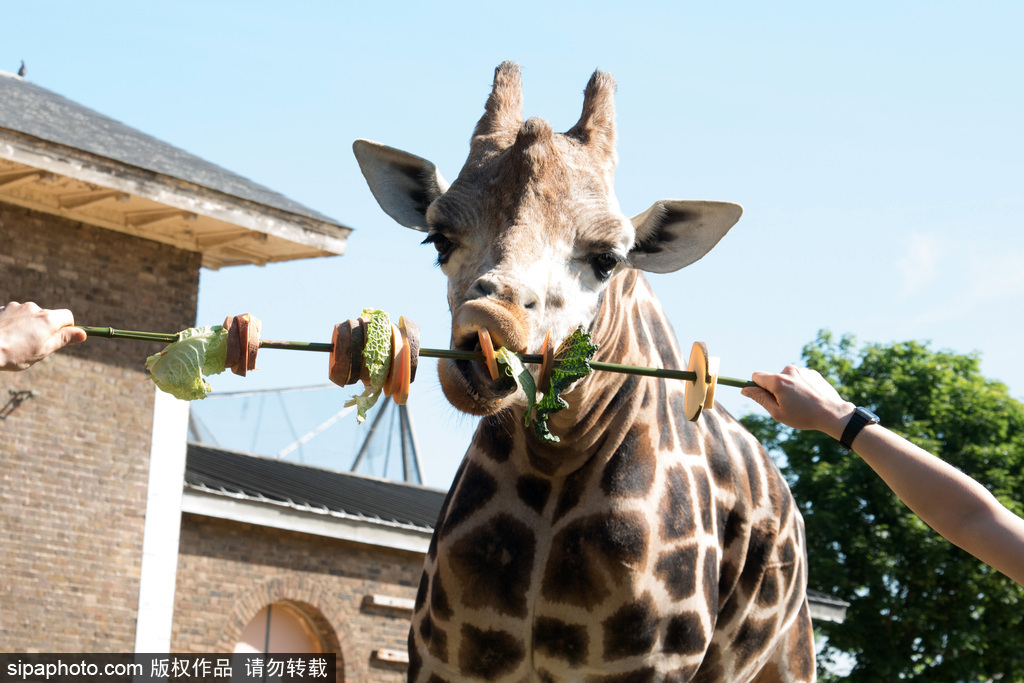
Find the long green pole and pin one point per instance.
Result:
(664, 373)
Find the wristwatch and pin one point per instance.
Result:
(861, 418)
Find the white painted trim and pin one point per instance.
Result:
(307, 521)
(390, 602)
(827, 612)
(391, 656)
(163, 524)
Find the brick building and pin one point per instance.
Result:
(114, 224)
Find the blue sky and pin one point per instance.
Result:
(876, 148)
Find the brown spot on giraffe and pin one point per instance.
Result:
(641, 546)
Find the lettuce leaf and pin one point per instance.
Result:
(376, 358)
(180, 368)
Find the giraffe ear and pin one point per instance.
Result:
(674, 233)
(403, 184)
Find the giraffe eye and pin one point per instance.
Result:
(442, 244)
(604, 264)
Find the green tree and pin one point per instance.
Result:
(920, 608)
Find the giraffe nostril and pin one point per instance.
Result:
(481, 288)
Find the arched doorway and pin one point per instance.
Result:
(279, 627)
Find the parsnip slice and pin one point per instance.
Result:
(696, 391)
(713, 363)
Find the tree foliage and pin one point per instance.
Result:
(920, 608)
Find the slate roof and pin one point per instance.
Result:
(262, 479)
(35, 111)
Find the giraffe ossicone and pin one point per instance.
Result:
(640, 546)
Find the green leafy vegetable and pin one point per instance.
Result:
(572, 362)
(180, 368)
(376, 358)
(514, 368)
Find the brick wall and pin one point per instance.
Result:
(228, 571)
(74, 458)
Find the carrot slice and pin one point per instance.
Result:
(397, 345)
(403, 368)
(548, 361)
(488, 349)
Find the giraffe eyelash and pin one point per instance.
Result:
(442, 244)
(604, 263)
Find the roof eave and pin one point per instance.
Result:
(226, 230)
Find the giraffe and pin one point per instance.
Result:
(640, 546)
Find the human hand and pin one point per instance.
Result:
(802, 399)
(29, 333)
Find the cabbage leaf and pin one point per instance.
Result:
(180, 368)
(376, 358)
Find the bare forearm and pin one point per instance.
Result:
(949, 501)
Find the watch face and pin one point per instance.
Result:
(868, 415)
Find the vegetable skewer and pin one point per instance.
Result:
(454, 354)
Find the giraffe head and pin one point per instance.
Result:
(530, 232)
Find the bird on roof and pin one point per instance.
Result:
(22, 71)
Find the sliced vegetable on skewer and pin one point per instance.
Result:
(487, 348)
(547, 354)
(397, 347)
(346, 359)
(401, 367)
(412, 335)
(709, 399)
(243, 330)
(252, 342)
(697, 390)
(234, 349)
(385, 357)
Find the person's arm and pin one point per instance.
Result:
(29, 333)
(950, 502)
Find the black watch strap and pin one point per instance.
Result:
(861, 418)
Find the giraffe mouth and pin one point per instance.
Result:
(468, 385)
